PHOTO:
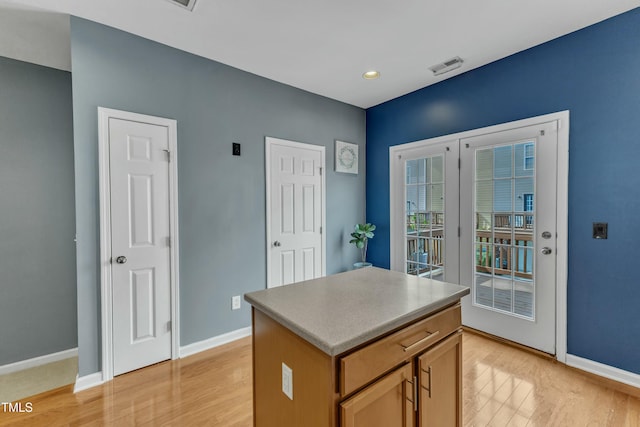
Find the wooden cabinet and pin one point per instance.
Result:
(387, 402)
(432, 379)
(440, 384)
(408, 378)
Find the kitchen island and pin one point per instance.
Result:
(369, 347)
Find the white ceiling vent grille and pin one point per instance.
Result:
(185, 4)
(447, 66)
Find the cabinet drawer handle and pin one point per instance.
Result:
(420, 341)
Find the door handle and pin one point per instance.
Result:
(276, 244)
(121, 259)
(546, 251)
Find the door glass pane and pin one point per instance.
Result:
(502, 193)
(412, 171)
(504, 229)
(437, 169)
(484, 196)
(425, 216)
(484, 164)
(437, 197)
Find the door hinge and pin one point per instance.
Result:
(320, 229)
(168, 155)
(459, 231)
(169, 241)
(169, 326)
(320, 171)
(459, 163)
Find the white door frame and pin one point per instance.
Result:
(106, 288)
(562, 186)
(269, 142)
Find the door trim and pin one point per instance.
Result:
(562, 213)
(106, 285)
(269, 142)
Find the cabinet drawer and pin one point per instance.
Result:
(368, 363)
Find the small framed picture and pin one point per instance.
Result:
(346, 157)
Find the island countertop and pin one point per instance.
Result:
(339, 312)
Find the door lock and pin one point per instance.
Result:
(276, 244)
(546, 251)
(121, 259)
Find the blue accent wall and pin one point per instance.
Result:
(594, 73)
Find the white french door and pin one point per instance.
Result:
(480, 208)
(426, 185)
(508, 218)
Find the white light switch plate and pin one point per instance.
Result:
(287, 381)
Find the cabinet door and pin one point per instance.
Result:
(386, 403)
(440, 383)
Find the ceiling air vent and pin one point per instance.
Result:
(446, 66)
(186, 4)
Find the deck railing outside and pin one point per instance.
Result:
(504, 249)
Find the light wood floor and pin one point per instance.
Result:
(503, 386)
(39, 379)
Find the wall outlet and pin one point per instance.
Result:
(287, 381)
(235, 302)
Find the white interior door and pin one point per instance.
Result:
(508, 240)
(295, 205)
(140, 243)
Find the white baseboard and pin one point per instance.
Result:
(603, 370)
(213, 342)
(38, 361)
(92, 380)
(87, 381)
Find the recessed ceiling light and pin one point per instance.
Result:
(370, 75)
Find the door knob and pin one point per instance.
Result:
(276, 244)
(121, 259)
(546, 251)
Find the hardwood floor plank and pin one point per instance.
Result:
(502, 386)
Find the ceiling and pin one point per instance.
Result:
(322, 46)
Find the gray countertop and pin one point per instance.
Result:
(339, 312)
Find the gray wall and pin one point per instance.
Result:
(37, 252)
(221, 197)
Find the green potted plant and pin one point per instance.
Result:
(361, 236)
